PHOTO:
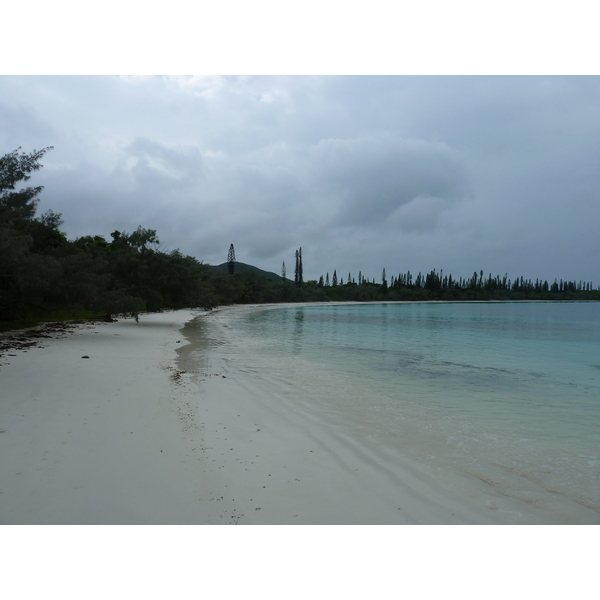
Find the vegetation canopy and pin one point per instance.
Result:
(42, 272)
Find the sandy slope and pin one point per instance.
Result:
(155, 428)
(270, 459)
(135, 435)
(98, 440)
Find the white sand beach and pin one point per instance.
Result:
(97, 440)
(139, 434)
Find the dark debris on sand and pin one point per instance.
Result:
(23, 339)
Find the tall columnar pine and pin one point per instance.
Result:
(231, 260)
(296, 269)
(334, 280)
(283, 271)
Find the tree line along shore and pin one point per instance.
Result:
(45, 276)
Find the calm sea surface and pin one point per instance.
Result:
(508, 393)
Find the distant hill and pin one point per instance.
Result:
(244, 268)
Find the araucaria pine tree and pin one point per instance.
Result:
(298, 269)
(231, 260)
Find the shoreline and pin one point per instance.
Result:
(160, 425)
(97, 440)
(261, 424)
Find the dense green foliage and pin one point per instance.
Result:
(437, 286)
(42, 272)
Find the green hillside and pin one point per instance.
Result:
(244, 268)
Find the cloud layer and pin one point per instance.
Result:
(457, 173)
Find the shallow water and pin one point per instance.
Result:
(507, 394)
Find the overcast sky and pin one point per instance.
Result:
(402, 172)
(363, 172)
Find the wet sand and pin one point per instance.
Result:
(97, 440)
(146, 423)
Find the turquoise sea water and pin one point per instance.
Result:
(507, 393)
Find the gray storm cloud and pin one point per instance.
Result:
(373, 177)
(154, 164)
(460, 173)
